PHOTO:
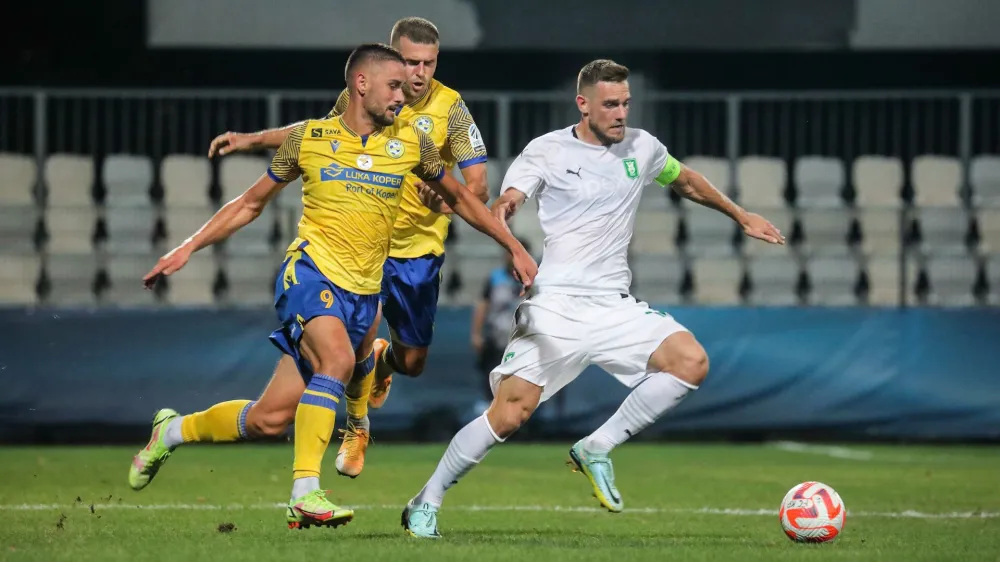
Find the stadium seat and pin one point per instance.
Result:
(989, 229)
(192, 285)
(761, 181)
(657, 280)
(128, 179)
(182, 222)
(880, 230)
(250, 280)
(238, 172)
(72, 278)
(819, 182)
(291, 196)
(826, 230)
(655, 233)
(186, 180)
(18, 278)
(69, 180)
(943, 230)
(130, 230)
(717, 281)
(70, 230)
(984, 174)
(833, 280)
(951, 280)
(936, 181)
(654, 198)
(780, 217)
(125, 273)
(993, 277)
(17, 228)
(878, 181)
(709, 232)
(254, 239)
(884, 282)
(717, 170)
(18, 175)
(774, 280)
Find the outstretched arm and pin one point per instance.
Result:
(507, 205)
(229, 141)
(694, 186)
(233, 216)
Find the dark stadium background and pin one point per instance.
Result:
(919, 371)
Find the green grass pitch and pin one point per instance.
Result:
(683, 502)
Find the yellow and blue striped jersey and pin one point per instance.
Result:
(444, 117)
(352, 186)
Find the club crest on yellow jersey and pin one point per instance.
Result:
(425, 123)
(394, 148)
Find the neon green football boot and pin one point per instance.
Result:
(313, 509)
(148, 461)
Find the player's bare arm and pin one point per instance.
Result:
(695, 187)
(506, 205)
(475, 181)
(474, 212)
(233, 216)
(230, 142)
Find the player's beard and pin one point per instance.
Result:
(381, 119)
(603, 138)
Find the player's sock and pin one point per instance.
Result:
(466, 450)
(651, 399)
(223, 422)
(358, 390)
(314, 421)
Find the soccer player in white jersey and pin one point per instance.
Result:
(588, 179)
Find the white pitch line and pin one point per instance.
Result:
(829, 451)
(909, 513)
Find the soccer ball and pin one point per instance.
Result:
(812, 512)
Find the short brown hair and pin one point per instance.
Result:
(600, 70)
(418, 30)
(367, 52)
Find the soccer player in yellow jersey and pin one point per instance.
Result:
(412, 275)
(326, 295)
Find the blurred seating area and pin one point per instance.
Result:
(859, 232)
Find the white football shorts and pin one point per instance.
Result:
(555, 337)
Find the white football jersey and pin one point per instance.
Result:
(587, 199)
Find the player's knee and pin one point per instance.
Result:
(414, 361)
(507, 417)
(691, 364)
(335, 363)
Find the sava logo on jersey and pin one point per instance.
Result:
(476, 138)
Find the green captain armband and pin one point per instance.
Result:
(671, 170)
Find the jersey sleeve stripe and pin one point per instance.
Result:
(472, 161)
(275, 177)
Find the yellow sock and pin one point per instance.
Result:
(314, 420)
(223, 422)
(360, 387)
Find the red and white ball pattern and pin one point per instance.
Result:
(812, 512)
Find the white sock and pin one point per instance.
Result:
(360, 423)
(467, 448)
(651, 399)
(302, 486)
(172, 437)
